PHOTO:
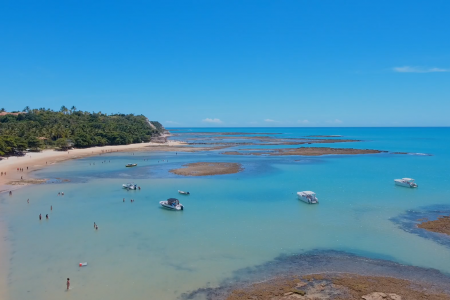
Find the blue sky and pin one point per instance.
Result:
(232, 63)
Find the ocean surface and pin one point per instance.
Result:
(230, 222)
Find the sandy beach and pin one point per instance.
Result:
(37, 160)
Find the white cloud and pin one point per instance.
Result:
(335, 121)
(215, 120)
(269, 120)
(303, 121)
(408, 69)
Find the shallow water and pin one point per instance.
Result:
(230, 222)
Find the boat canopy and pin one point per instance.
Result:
(308, 193)
(171, 201)
(408, 179)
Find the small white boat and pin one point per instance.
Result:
(308, 197)
(183, 192)
(130, 165)
(172, 204)
(129, 186)
(406, 182)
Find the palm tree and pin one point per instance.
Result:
(73, 108)
(63, 109)
(2, 109)
(27, 109)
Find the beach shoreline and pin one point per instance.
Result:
(37, 160)
(33, 161)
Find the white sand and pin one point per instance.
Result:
(38, 160)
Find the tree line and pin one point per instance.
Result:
(35, 129)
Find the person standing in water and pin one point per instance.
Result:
(40, 217)
(68, 283)
(94, 225)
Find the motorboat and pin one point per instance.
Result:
(308, 197)
(130, 165)
(129, 186)
(406, 182)
(183, 192)
(172, 204)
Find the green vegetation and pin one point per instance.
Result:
(35, 129)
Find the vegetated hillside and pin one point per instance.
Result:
(40, 128)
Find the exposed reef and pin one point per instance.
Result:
(208, 168)
(441, 225)
(329, 275)
(307, 151)
(428, 222)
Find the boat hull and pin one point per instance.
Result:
(403, 184)
(306, 200)
(170, 207)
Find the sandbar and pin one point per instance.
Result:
(441, 225)
(208, 168)
(306, 151)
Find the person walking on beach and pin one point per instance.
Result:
(68, 283)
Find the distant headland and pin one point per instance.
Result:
(38, 129)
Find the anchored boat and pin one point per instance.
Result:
(183, 193)
(130, 165)
(172, 204)
(406, 182)
(308, 197)
(129, 186)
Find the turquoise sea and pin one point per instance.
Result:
(230, 222)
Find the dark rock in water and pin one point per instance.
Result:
(159, 139)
